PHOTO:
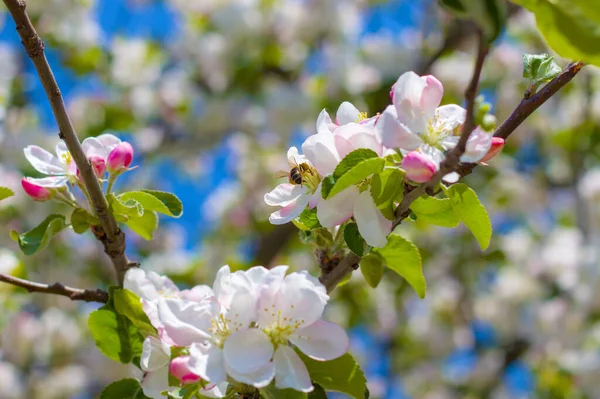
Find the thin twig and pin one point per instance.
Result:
(75, 294)
(114, 242)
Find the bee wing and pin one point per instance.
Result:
(281, 173)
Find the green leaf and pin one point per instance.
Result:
(124, 389)
(159, 201)
(36, 239)
(317, 393)
(81, 220)
(539, 69)
(339, 375)
(471, 212)
(308, 220)
(435, 211)
(126, 207)
(404, 258)
(371, 267)
(570, 27)
(271, 392)
(144, 225)
(353, 239)
(356, 174)
(115, 335)
(129, 305)
(5, 193)
(387, 188)
(490, 15)
(352, 160)
(326, 185)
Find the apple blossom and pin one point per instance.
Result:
(59, 168)
(35, 190)
(419, 167)
(496, 147)
(120, 157)
(179, 368)
(415, 121)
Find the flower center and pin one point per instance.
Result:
(362, 116)
(280, 330)
(219, 330)
(67, 158)
(437, 130)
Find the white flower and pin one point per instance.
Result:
(416, 122)
(289, 312)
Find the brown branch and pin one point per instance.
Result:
(75, 294)
(114, 241)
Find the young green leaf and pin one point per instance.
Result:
(5, 193)
(436, 211)
(353, 239)
(352, 160)
(404, 258)
(387, 188)
(144, 225)
(81, 220)
(124, 389)
(471, 212)
(338, 375)
(571, 27)
(129, 305)
(371, 267)
(326, 185)
(36, 239)
(539, 69)
(317, 393)
(159, 201)
(270, 392)
(115, 335)
(308, 220)
(125, 207)
(356, 174)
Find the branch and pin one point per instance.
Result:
(75, 294)
(114, 240)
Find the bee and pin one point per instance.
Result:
(296, 173)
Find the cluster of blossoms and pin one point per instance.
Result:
(242, 330)
(414, 128)
(105, 153)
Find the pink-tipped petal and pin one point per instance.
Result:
(497, 146)
(418, 166)
(35, 191)
(179, 368)
(120, 157)
(431, 96)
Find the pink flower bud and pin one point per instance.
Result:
(497, 145)
(98, 165)
(419, 167)
(179, 369)
(120, 157)
(36, 191)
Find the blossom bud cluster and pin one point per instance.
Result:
(414, 127)
(246, 329)
(105, 152)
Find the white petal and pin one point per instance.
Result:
(408, 90)
(478, 145)
(163, 285)
(294, 158)
(451, 178)
(372, 225)
(314, 199)
(206, 361)
(197, 293)
(257, 274)
(451, 115)
(146, 285)
(321, 152)
(155, 382)
(155, 354)
(50, 181)
(43, 161)
(62, 153)
(431, 96)
(109, 141)
(92, 146)
(218, 391)
(393, 134)
(290, 371)
(284, 194)
(247, 351)
(324, 123)
(242, 309)
(258, 379)
(186, 322)
(291, 211)
(337, 209)
(356, 136)
(347, 113)
(432, 152)
(321, 340)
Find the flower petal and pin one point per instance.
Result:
(186, 322)
(372, 225)
(109, 141)
(93, 147)
(197, 293)
(478, 145)
(324, 123)
(206, 361)
(408, 91)
(155, 354)
(321, 152)
(431, 96)
(394, 134)
(294, 158)
(247, 351)
(50, 181)
(258, 379)
(148, 285)
(356, 136)
(450, 115)
(155, 382)
(43, 161)
(337, 209)
(218, 391)
(284, 194)
(321, 340)
(291, 211)
(290, 371)
(347, 113)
